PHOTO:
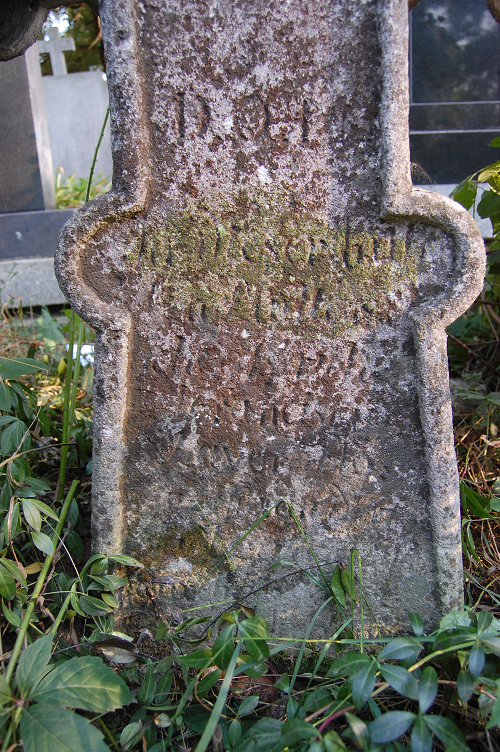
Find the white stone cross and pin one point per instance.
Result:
(56, 45)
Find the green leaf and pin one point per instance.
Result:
(163, 688)
(363, 683)
(484, 619)
(33, 662)
(495, 142)
(465, 193)
(11, 368)
(208, 681)
(130, 735)
(295, 729)
(44, 508)
(465, 686)
(14, 570)
(12, 437)
(347, 665)
(417, 624)
(495, 712)
(489, 204)
(11, 616)
(32, 515)
(336, 587)
(43, 543)
(197, 659)
(492, 644)
(110, 600)
(476, 661)
(401, 648)
(111, 582)
(50, 728)
(390, 726)
(148, 686)
(401, 680)
(453, 637)
(100, 566)
(127, 561)
(488, 172)
(248, 705)
(359, 729)
(93, 606)
(333, 742)
(7, 584)
(348, 584)
(446, 731)
(427, 688)
(421, 737)
(85, 683)
(223, 647)
(255, 632)
(5, 401)
(234, 732)
(263, 736)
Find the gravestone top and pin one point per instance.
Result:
(270, 296)
(56, 46)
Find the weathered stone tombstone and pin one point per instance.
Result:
(270, 295)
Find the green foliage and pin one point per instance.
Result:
(71, 192)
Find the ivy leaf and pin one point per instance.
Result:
(421, 737)
(50, 728)
(223, 647)
(33, 662)
(400, 649)
(390, 726)
(401, 680)
(427, 688)
(446, 731)
(255, 632)
(85, 683)
(363, 683)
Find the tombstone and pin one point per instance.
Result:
(56, 46)
(270, 295)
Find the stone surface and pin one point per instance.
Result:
(26, 173)
(271, 296)
(56, 46)
(76, 106)
(30, 281)
(31, 234)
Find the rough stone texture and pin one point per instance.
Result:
(271, 297)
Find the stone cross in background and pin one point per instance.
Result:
(270, 296)
(56, 46)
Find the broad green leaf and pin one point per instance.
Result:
(489, 204)
(130, 735)
(476, 661)
(320, 698)
(453, 637)
(401, 680)
(248, 705)
(347, 665)
(5, 401)
(492, 644)
(38, 484)
(32, 515)
(127, 561)
(163, 688)
(401, 648)
(336, 587)
(7, 584)
(14, 570)
(148, 686)
(197, 659)
(253, 669)
(12, 437)
(85, 683)
(484, 620)
(446, 731)
(33, 662)
(50, 728)
(234, 732)
(11, 368)
(295, 729)
(363, 683)
(495, 141)
(263, 736)
(5, 693)
(255, 632)
(333, 742)
(10, 615)
(465, 686)
(110, 581)
(93, 606)
(427, 688)
(43, 543)
(390, 726)
(421, 737)
(348, 584)
(110, 600)
(465, 193)
(359, 729)
(417, 624)
(208, 681)
(488, 172)
(223, 647)
(100, 566)
(44, 508)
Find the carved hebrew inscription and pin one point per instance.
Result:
(285, 269)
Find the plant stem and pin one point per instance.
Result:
(16, 650)
(96, 152)
(66, 408)
(60, 615)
